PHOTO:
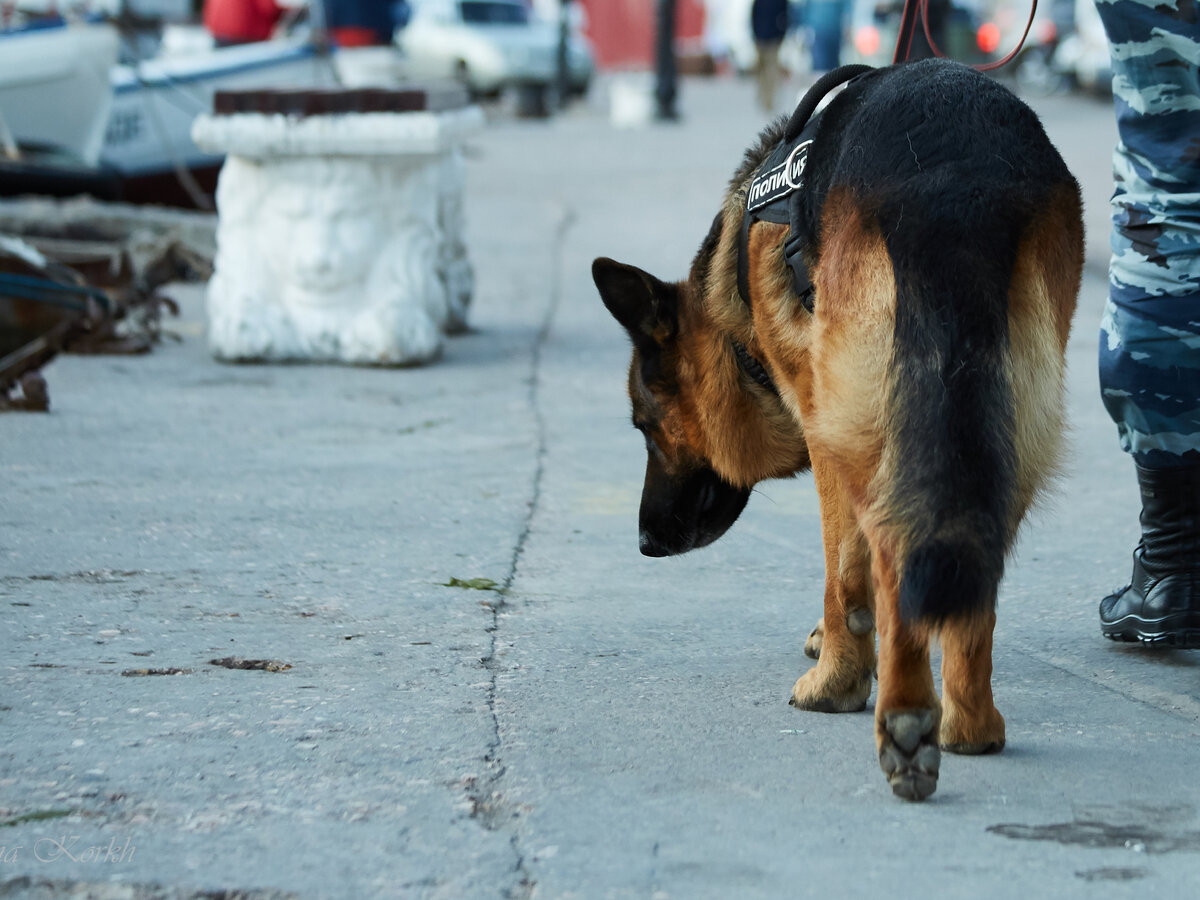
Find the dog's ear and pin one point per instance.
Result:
(647, 307)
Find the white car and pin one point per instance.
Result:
(488, 45)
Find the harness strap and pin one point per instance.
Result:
(792, 252)
(743, 260)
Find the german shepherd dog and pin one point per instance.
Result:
(944, 240)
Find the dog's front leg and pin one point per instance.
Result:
(841, 679)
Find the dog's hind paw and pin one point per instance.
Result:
(860, 621)
(908, 752)
(984, 733)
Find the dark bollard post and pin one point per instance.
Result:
(564, 74)
(664, 90)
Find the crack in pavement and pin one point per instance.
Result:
(488, 805)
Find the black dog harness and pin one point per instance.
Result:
(777, 194)
(777, 190)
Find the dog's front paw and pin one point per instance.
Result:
(908, 751)
(821, 690)
(816, 637)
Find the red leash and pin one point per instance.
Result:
(908, 25)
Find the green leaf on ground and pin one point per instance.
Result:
(473, 584)
(36, 817)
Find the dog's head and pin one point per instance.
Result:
(705, 432)
(685, 503)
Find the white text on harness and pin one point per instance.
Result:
(780, 181)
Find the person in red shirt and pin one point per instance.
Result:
(241, 21)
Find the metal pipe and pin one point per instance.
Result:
(665, 87)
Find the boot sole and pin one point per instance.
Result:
(1179, 635)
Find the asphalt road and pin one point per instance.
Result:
(491, 693)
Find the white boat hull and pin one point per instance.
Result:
(54, 85)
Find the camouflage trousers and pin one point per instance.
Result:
(1150, 333)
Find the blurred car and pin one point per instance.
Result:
(1082, 54)
(1033, 68)
(959, 29)
(488, 45)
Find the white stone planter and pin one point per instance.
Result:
(340, 236)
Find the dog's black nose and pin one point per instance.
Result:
(650, 547)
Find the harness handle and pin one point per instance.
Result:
(908, 21)
(816, 93)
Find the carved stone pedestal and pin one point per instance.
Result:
(340, 229)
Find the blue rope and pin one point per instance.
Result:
(43, 290)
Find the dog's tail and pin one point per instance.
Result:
(951, 493)
(973, 412)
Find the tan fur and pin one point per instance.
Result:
(970, 721)
(841, 680)
(1046, 277)
(846, 389)
(744, 443)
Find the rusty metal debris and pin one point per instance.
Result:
(82, 287)
(265, 665)
(33, 396)
(43, 306)
(136, 323)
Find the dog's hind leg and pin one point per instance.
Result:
(970, 721)
(841, 679)
(907, 711)
(860, 620)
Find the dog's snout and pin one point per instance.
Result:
(650, 547)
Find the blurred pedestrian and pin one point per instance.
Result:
(769, 22)
(241, 21)
(827, 20)
(1150, 333)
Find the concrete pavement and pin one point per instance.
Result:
(582, 722)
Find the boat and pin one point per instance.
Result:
(154, 102)
(54, 84)
(55, 101)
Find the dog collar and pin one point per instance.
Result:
(752, 367)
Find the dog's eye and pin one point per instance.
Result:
(652, 447)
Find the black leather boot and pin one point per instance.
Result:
(1161, 604)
